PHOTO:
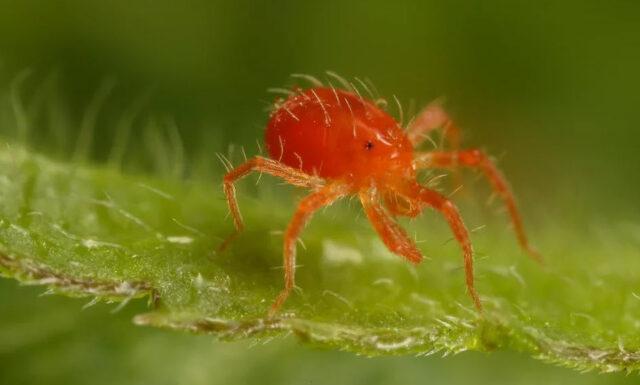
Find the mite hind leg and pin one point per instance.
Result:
(477, 159)
(288, 174)
(306, 208)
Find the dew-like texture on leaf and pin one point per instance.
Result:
(95, 232)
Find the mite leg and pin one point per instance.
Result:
(451, 214)
(432, 117)
(311, 203)
(269, 166)
(477, 159)
(393, 236)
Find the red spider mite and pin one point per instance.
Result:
(337, 143)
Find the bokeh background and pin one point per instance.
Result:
(551, 88)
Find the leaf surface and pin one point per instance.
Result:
(88, 231)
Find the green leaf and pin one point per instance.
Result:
(88, 231)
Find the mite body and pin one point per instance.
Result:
(336, 143)
(337, 136)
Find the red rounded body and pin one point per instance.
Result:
(338, 135)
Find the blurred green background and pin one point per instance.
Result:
(551, 88)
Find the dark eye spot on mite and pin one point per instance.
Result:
(368, 145)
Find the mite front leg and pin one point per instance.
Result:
(311, 203)
(269, 166)
(393, 236)
(477, 159)
(451, 214)
(433, 117)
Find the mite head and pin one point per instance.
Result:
(379, 150)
